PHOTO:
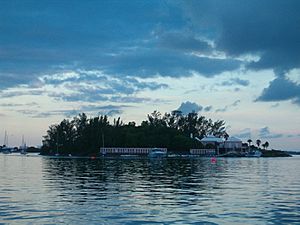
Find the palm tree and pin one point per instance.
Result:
(266, 144)
(258, 142)
(249, 141)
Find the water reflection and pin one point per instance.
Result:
(174, 174)
(138, 191)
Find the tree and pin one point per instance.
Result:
(249, 141)
(258, 142)
(85, 136)
(226, 136)
(266, 145)
(155, 119)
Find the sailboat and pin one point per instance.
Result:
(5, 149)
(23, 147)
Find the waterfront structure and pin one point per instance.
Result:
(222, 145)
(128, 151)
(203, 152)
(233, 143)
(211, 140)
(157, 153)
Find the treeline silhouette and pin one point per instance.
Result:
(85, 136)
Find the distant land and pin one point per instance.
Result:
(84, 136)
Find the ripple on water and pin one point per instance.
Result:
(140, 191)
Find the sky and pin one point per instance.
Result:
(237, 61)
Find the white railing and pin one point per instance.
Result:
(129, 151)
(202, 151)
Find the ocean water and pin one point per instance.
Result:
(42, 190)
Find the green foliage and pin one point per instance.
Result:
(83, 136)
(258, 142)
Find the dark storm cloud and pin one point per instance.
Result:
(269, 29)
(184, 42)
(265, 133)
(119, 38)
(150, 63)
(281, 89)
(145, 39)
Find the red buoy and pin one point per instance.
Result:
(213, 160)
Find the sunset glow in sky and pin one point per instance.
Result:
(234, 60)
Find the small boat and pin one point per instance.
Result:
(255, 153)
(5, 148)
(157, 152)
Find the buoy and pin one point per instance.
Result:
(93, 157)
(213, 160)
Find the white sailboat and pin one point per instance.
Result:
(23, 147)
(5, 149)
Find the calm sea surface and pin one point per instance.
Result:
(41, 190)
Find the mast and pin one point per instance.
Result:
(102, 139)
(22, 140)
(5, 143)
(57, 143)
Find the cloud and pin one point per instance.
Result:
(38, 40)
(184, 42)
(30, 104)
(235, 81)
(153, 62)
(129, 99)
(267, 33)
(275, 105)
(14, 93)
(207, 108)
(269, 29)
(63, 112)
(245, 134)
(83, 96)
(189, 107)
(281, 89)
(109, 110)
(265, 133)
(2, 115)
(146, 39)
(293, 135)
(28, 111)
(227, 107)
(93, 86)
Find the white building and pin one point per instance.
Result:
(233, 143)
(211, 139)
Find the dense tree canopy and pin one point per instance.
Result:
(85, 136)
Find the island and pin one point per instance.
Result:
(180, 134)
